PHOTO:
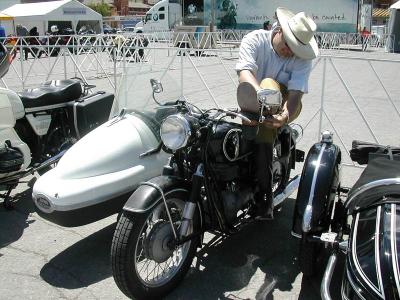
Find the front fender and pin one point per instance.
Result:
(145, 197)
(318, 186)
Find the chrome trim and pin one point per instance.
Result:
(187, 217)
(76, 119)
(369, 186)
(377, 256)
(326, 280)
(393, 242)
(47, 107)
(327, 137)
(355, 258)
(343, 246)
(292, 185)
(158, 188)
(295, 234)
(306, 226)
(344, 296)
(353, 285)
(185, 125)
(237, 146)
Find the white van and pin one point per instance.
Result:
(161, 17)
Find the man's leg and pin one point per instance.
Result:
(264, 199)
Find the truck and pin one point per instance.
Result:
(329, 15)
(163, 16)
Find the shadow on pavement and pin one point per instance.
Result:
(260, 258)
(84, 263)
(13, 222)
(262, 253)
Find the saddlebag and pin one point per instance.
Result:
(361, 152)
(11, 159)
(90, 111)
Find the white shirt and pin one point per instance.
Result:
(257, 55)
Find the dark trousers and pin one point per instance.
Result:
(264, 157)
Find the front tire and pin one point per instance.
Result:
(134, 250)
(308, 256)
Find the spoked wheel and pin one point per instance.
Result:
(145, 262)
(279, 176)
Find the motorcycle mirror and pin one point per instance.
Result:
(156, 86)
(269, 98)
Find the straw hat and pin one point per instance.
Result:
(298, 32)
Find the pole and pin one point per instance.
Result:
(321, 110)
(212, 25)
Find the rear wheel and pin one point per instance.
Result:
(281, 175)
(145, 262)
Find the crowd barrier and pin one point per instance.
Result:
(203, 64)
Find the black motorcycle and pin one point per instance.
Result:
(208, 185)
(364, 226)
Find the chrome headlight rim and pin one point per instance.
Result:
(185, 125)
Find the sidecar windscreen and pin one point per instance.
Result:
(136, 92)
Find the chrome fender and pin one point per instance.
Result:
(319, 182)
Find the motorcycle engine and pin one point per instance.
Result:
(234, 199)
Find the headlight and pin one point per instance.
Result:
(175, 132)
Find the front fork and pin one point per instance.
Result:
(190, 206)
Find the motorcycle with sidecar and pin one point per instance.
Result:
(208, 184)
(38, 125)
(361, 223)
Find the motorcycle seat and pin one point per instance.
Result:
(51, 93)
(380, 179)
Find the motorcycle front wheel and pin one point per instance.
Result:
(145, 265)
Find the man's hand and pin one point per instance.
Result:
(276, 121)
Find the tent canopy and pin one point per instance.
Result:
(4, 17)
(395, 5)
(44, 14)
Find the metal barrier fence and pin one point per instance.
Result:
(104, 56)
(352, 41)
(352, 96)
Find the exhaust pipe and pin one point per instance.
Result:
(290, 188)
(326, 280)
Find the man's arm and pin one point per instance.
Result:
(248, 76)
(289, 110)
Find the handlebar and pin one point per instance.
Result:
(235, 114)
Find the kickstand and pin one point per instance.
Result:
(8, 204)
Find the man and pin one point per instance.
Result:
(267, 25)
(283, 54)
(364, 38)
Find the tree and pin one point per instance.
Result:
(102, 8)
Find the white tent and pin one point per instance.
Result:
(63, 13)
(395, 5)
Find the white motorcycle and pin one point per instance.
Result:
(38, 125)
(97, 175)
